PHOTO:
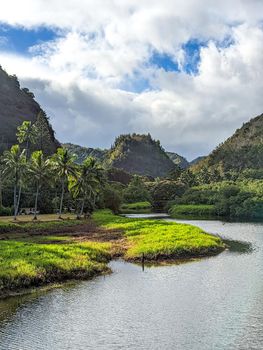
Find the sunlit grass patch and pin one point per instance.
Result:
(158, 239)
(24, 264)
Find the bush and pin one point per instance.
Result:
(138, 207)
(192, 209)
(136, 191)
(165, 190)
(112, 199)
(6, 211)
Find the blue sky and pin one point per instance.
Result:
(19, 40)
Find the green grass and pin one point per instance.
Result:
(138, 207)
(28, 259)
(24, 264)
(40, 217)
(159, 239)
(192, 209)
(37, 226)
(31, 254)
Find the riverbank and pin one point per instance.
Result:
(38, 254)
(159, 240)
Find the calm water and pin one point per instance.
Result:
(214, 303)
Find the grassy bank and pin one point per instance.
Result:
(25, 264)
(138, 207)
(159, 240)
(36, 254)
(203, 210)
(34, 227)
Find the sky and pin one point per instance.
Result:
(188, 72)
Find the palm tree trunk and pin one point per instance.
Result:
(82, 207)
(20, 186)
(15, 201)
(36, 199)
(18, 199)
(62, 198)
(1, 194)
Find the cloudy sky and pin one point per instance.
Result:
(189, 72)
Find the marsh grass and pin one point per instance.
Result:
(160, 239)
(38, 226)
(36, 254)
(32, 259)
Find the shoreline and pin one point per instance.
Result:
(120, 245)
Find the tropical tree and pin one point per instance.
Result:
(87, 182)
(15, 166)
(64, 166)
(39, 169)
(136, 191)
(26, 134)
(1, 183)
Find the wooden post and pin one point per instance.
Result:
(142, 261)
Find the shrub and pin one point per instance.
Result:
(6, 211)
(136, 191)
(192, 209)
(112, 199)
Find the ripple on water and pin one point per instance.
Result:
(213, 303)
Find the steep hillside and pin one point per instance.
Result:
(83, 152)
(241, 151)
(196, 160)
(17, 105)
(178, 160)
(139, 154)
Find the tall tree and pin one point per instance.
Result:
(64, 166)
(39, 169)
(87, 182)
(15, 166)
(1, 183)
(26, 134)
(45, 135)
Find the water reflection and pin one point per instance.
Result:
(213, 303)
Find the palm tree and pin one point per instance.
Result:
(15, 166)
(39, 169)
(1, 183)
(26, 133)
(64, 166)
(87, 182)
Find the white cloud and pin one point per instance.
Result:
(77, 77)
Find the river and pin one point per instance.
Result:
(207, 304)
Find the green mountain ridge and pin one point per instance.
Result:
(83, 152)
(139, 154)
(102, 155)
(16, 106)
(135, 154)
(243, 150)
(196, 160)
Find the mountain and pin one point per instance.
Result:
(139, 154)
(196, 160)
(16, 106)
(178, 160)
(83, 152)
(241, 151)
